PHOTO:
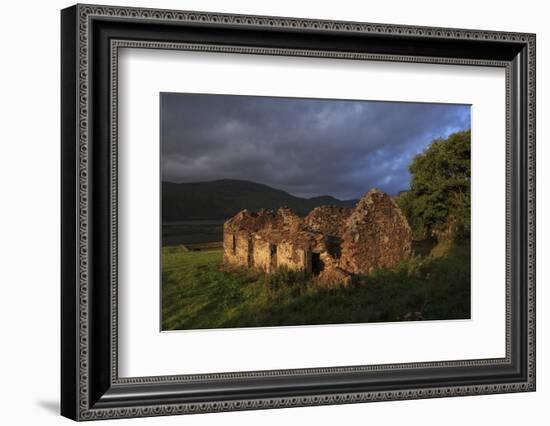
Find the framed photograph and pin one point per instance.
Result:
(263, 212)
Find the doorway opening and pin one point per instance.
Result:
(316, 263)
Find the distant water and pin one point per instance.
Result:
(192, 232)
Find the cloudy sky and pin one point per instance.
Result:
(307, 147)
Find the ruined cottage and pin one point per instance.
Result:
(331, 243)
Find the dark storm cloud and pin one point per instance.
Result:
(303, 146)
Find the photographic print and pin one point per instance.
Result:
(292, 211)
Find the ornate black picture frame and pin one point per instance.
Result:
(91, 36)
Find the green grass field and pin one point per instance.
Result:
(197, 294)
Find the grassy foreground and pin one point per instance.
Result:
(196, 294)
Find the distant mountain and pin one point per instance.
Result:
(221, 199)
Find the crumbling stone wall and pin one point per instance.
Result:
(264, 254)
(237, 238)
(328, 220)
(237, 249)
(288, 221)
(291, 257)
(376, 235)
(332, 243)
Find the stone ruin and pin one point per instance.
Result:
(331, 243)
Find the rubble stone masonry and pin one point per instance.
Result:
(331, 243)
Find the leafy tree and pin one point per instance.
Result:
(438, 202)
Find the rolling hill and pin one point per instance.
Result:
(221, 199)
